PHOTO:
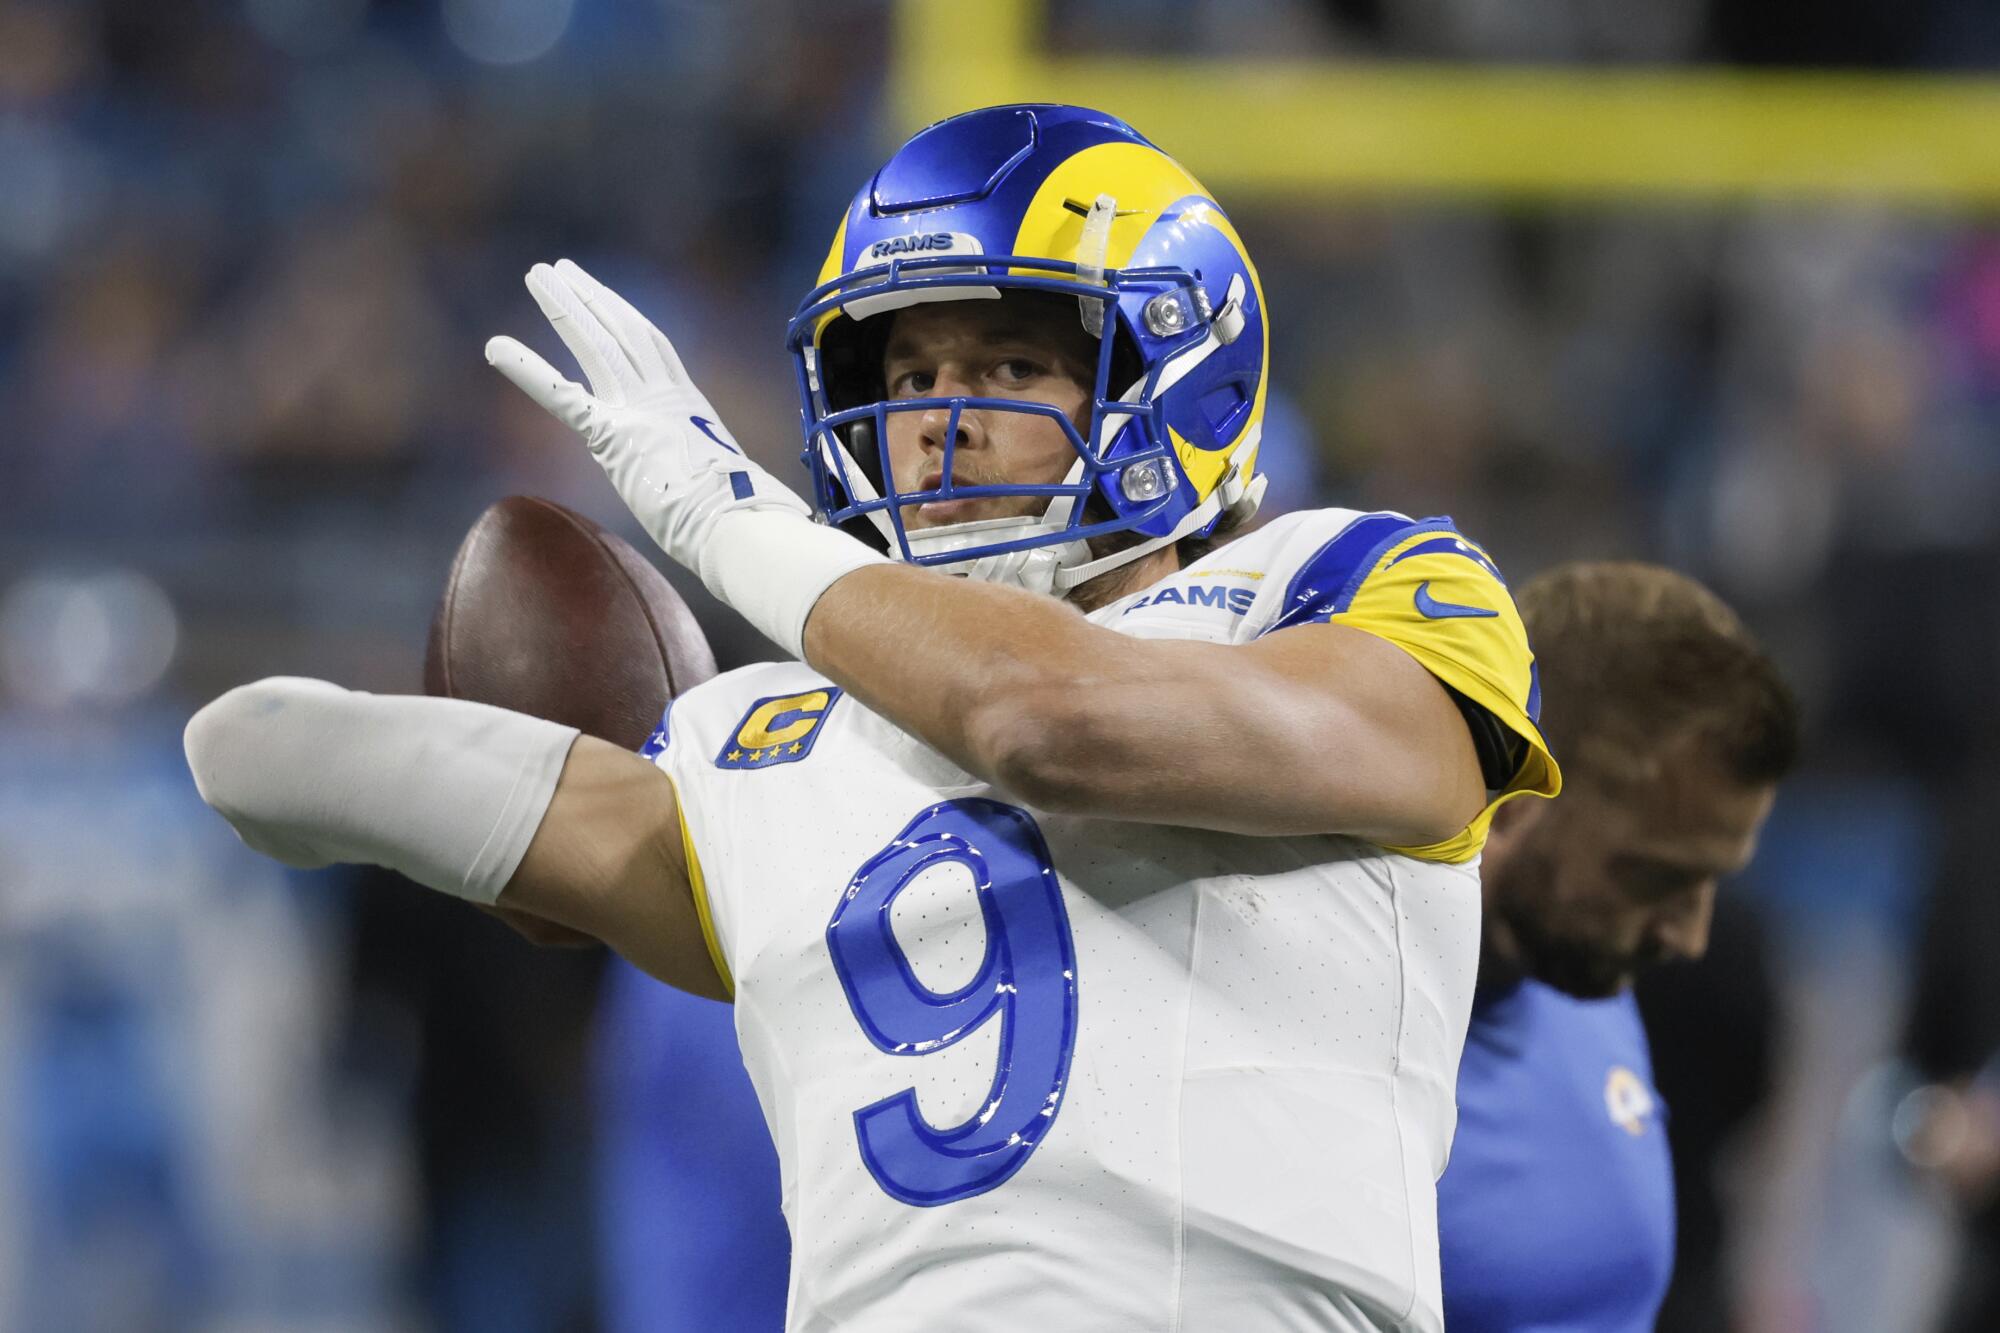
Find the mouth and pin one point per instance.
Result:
(937, 513)
(921, 513)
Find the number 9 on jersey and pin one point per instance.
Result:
(1027, 978)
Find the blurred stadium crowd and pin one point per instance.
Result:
(249, 252)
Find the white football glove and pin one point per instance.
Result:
(672, 460)
(655, 435)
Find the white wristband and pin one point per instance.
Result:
(446, 791)
(772, 565)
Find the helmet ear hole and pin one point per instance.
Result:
(850, 354)
(861, 448)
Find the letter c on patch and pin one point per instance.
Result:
(779, 721)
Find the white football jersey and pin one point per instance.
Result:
(1030, 1071)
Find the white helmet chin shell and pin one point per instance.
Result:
(1036, 568)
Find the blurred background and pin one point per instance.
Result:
(1747, 321)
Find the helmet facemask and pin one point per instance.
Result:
(1122, 443)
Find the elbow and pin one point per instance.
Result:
(233, 749)
(1428, 828)
(1429, 805)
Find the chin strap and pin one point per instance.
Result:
(1037, 569)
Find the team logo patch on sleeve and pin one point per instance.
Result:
(778, 730)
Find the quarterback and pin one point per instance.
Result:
(1102, 922)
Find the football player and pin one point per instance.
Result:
(1675, 728)
(1101, 923)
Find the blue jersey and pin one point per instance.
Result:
(1556, 1213)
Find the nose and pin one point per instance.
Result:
(934, 424)
(1682, 930)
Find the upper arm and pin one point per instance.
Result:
(1322, 729)
(1341, 731)
(1347, 714)
(609, 859)
(1439, 600)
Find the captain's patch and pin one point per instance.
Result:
(778, 730)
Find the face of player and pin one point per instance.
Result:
(1584, 891)
(1025, 346)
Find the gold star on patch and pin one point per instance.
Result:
(795, 747)
(756, 755)
(734, 755)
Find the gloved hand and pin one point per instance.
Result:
(672, 460)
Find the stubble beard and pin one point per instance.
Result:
(1564, 961)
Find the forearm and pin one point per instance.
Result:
(1315, 730)
(951, 660)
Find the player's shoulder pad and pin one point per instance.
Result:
(1421, 584)
(1278, 547)
(1427, 588)
(1272, 552)
(1332, 554)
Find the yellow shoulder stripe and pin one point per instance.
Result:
(698, 886)
(1449, 610)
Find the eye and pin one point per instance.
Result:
(911, 384)
(1018, 370)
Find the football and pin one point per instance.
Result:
(546, 613)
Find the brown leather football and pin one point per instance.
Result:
(546, 613)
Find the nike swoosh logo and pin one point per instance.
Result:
(1432, 609)
(703, 425)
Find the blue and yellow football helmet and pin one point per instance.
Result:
(1051, 199)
